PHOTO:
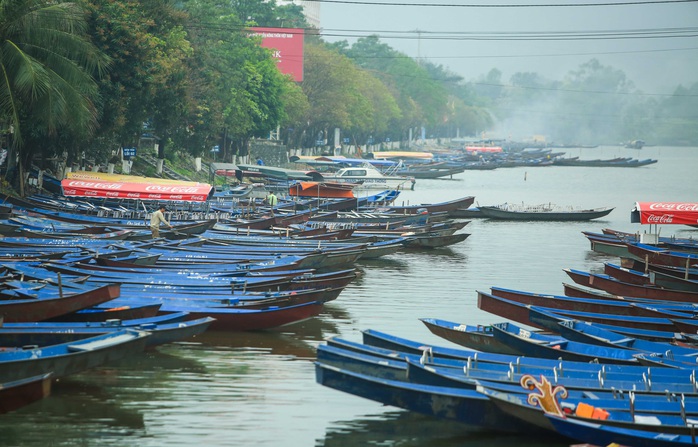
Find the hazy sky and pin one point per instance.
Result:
(459, 35)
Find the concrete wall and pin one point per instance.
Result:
(273, 153)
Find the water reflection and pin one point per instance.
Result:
(406, 429)
(387, 262)
(75, 411)
(268, 342)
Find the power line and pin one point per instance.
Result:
(596, 53)
(642, 33)
(512, 38)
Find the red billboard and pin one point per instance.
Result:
(287, 44)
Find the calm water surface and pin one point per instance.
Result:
(258, 389)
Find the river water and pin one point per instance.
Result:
(258, 389)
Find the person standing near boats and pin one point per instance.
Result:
(272, 200)
(156, 219)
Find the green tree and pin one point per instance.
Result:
(423, 101)
(236, 90)
(48, 65)
(146, 41)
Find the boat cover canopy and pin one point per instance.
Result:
(100, 184)
(665, 213)
(403, 154)
(484, 149)
(340, 160)
(224, 169)
(276, 173)
(322, 189)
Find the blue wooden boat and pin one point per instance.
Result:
(600, 434)
(451, 377)
(70, 358)
(522, 314)
(626, 274)
(119, 309)
(585, 332)
(612, 285)
(376, 362)
(610, 400)
(165, 328)
(437, 240)
(621, 414)
(531, 344)
(362, 362)
(448, 206)
(669, 281)
(391, 367)
(161, 333)
(549, 318)
(651, 254)
(236, 320)
(170, 280)
(191, 282)
(198, 226)
(54, 305)
(608, 304)
(608, 245)
(204, 301)
(474, 337)
(551, 321)
(113, 322)
(114, 235)
(472, 409)
(666, 279)
(398, 348)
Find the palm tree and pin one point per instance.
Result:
(47, 69)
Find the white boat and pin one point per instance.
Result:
(368, 177)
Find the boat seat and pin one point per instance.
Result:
(98, 344)
(647, 420)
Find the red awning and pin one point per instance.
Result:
(188, 191)
(665, 213)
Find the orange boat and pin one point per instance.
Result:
(323, 189)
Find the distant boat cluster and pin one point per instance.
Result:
(447, 163)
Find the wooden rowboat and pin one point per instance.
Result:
(542, 212)
(21, 392)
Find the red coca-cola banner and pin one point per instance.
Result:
(666, 213)
(189, 191)
(287, 45)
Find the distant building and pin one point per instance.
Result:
(311, 10)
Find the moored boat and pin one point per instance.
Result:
(543, 212)
(21, 392)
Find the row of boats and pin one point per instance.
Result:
(73, 296)
(612, 361)
(402, 168)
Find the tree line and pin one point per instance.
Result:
(83, 78)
